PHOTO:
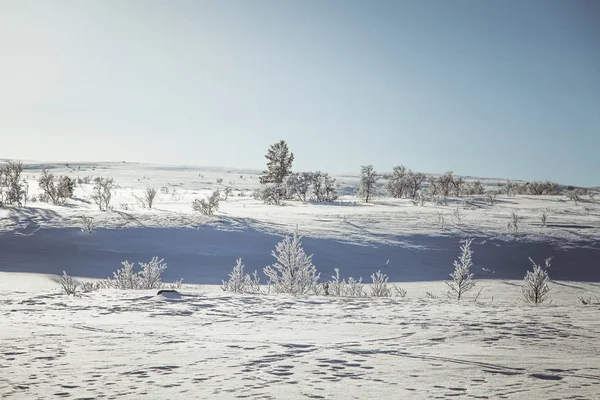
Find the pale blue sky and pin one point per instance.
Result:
(490, 88)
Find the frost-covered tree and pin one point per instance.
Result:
(239, 282)
(415, 181)
(462, 276)
(368, 182)
(445, 183)
(403, 183)
(396, 185)
(458, 185)
(536, 283)
(323, 187)
(209, 205)
(279, 164)
(298, 185)
(293, 273)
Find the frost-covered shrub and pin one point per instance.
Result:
(226, 193)
(380, 288)
(56, 189)
(12, 188)
(342, 288)
(102, 192)
(405, 184)
(536, 283)
(575, 195)
(239, 282)
(68, 284)
(87, 224)
(537, 188)
(293, 273)
(149, 277)
(474, 188)
(458, 216)
(513, 224)
(209, 205)
(458, 186)
(323, 187)
(270, 194)
(544, 218)
(298, 185)
(87, 287)
(462, 276)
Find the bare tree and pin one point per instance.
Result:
(149, 196)
(368, 182)
(102, 192)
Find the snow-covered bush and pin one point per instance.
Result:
(12, 188)
(462, 276)
(298, 185)
(544, 218)
(226, 193)
(458, 215)
(102, 192)
(541, 188)
(87, 287)
(458, 186)
(403, 183)
(323, 187)
(513, 224)
(536, 283)
(148, 278)
(58, 190)
(68, 284)
(368, 183)
(293, 273)
(270, 194)
(575, 195)
(87, 224)
(342, 288)
(209, 205)
(474, 188)
(380, 288)
(240, 283)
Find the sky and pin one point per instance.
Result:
(507, 89)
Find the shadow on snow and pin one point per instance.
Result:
(205, 255)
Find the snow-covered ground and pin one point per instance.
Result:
(205, 343)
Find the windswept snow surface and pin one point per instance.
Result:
(204, 343)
